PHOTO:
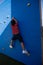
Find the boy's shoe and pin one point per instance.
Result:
(26, 52)
(11, 46)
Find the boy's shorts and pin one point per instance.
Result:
(17, 37)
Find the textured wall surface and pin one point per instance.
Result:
(29, 24)
(5, 14)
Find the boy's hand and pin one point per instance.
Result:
(14, 19)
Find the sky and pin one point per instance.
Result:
(42, 10)
(5, 14)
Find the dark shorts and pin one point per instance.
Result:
(17, 37)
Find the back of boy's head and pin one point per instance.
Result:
(13, 21)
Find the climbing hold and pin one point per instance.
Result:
(28, 4)
(4, 21)
(0, 23)
(3, 48)
(7, 17)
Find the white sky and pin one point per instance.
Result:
(42, 10)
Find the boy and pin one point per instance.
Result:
(16, 35)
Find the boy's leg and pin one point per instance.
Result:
(12, 41)
(22, 44)
(11, 44)
(24, 51)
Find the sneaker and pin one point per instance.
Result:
(10, 46)
(26, 52)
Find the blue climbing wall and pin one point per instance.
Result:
(28, 17)
(5, 14)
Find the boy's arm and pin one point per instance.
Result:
(15, 20)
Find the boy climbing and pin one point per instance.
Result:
(16, 35)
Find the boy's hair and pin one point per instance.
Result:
(13, 22)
